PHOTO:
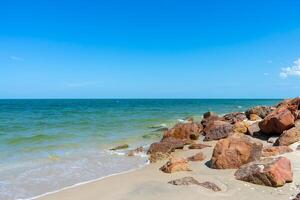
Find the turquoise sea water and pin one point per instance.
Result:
(46, 145)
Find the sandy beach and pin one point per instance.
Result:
(149, 183)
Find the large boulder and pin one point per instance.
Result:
(235, 117)
(290, 102)
(273, 172)
(163, 149)
(175, 165)
(261, 111)
(235, 151)
(241, 127)
(184, 131)
(216, 130)
(275, 150)
(278, 121)
(289, 137)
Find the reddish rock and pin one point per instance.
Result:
(274, 151)
(208, 118)
(254, 117)
(241, 127)
(216, 130)
(210, 186)
(198, 146)
(197, 157)
(136, 151)
(235, 151)
(278, 121)
(253, 129)
(184, 131)
(175, 165)
(289, 137)
(260, 111)
(273, 172)
(290, 102)
(235, 117)
(161, 150)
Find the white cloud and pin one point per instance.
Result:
(16, 58)
(291, 71)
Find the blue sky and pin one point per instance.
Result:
(149, 49)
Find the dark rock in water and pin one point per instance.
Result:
(198, 146)
(210, 186)
(161, 150)
(274, 151)
(235, 117)
(278, 121)
(136, 151)
(197, 157)
(191, 181)
(261, 111)
(216, 130)
(235, 151)
(253, 129)
(175, 165)
(273, 172)
(185, 181)
(184, 131)
(289, 137)
(209, 114)
(123, 146)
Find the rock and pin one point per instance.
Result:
(272, 140)
(278, 121)
(136, 151)
(184, 131)
(235, 117)
(297, 197)
(241, 127)
(185, 181)
(274, 151)
(290, 102)
(260, 111)
(273, 172)
(235, 151)
(216, 130)
(208, 118)
(123, 146)
(175, 165)
(163, 149)
(253, 129)
(197, 157)
(289, 137)
(254, 117)
(198, 146)
(210, 186)
(163, 129)
(191, 181)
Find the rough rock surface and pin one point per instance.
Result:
(274, 151)
(184, 131)
(278, 121)
(241, 127)
(261, 111)
(198, 146)
(216, 130)
(273, 172)
(208, 118)
(289, 137)
(197, 157)
(191, 181)
(253, 129)
(235, 151)
(175, 165)
(254, 117)
(235, 117)
(290, 102)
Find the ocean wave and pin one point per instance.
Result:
(36, 138)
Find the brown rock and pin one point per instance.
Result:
(254, 117)
(198, 146)
(274, 151)
(261, 111)
(191, 181)
(184, 131)
(235, 117)
(235, 151)
(289, 137)
(210, 186)
(197, 157)
(136, 151)
(253, 129)
(208, 118)
(278, 121)
(123, 146)
(163, 149)
(290, 102)
(273, 172)
(241, 127)
(175, 165)
(216, 130)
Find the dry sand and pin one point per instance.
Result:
(150, 183)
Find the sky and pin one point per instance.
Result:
(149, 49)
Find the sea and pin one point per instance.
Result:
(51, 144)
